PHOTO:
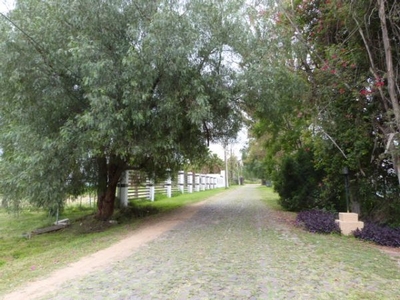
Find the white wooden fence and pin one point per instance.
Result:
(137, 186)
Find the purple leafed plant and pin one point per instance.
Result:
(379, 234)
(318, 221)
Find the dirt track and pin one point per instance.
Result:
(229, 247)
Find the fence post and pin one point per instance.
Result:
(197, 182)
(181, 181)
(168, 184)
(190, 182)
(123, 188)
(150, 189)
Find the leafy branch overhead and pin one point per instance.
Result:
(92, 88)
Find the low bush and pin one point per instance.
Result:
(379, 234)
(298, 181)
(318, 221)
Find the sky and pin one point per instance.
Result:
(236, 146)
(5, 5)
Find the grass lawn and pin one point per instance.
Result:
(352, 259)
(23, 259)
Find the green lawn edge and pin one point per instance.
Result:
(23, 259)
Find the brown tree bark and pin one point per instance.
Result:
(109, 172)
(389, 63)
(391, 83)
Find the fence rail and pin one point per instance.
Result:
(141, 191)
(138, 186)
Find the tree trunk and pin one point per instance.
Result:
(391, 83)
(106, 203)
(109, 172)
(389, 64)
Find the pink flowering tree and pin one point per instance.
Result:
(352, 65)
(341, 96)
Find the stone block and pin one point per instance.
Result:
(347, 227)
(348, 217)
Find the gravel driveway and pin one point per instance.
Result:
(232, 248)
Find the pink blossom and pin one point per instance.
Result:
(365, 92)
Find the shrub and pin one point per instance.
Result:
(297, 181)
(318, 221)
(379, 234)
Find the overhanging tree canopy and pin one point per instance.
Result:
(92, 88)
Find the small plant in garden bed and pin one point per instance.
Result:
(318, 221)
(379, 234)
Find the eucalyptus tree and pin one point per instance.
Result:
(274, 88)
(91, 88)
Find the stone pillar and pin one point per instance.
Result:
(123, 189)
(197, 182)
(348, 222)
(207, 182)
(181, 181)
(190, 182)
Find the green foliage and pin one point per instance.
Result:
(297, 182)
(325, 84)
(318, 221)
(209, 163)
(351, 120)
(97, 87)
(252, 158)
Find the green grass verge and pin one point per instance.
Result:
(352, 259)
(164, 204)
(23, 259)
(270, 197)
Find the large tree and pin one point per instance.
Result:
(352, 62)
(333, 88)
(91, 88)
(274, 89)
